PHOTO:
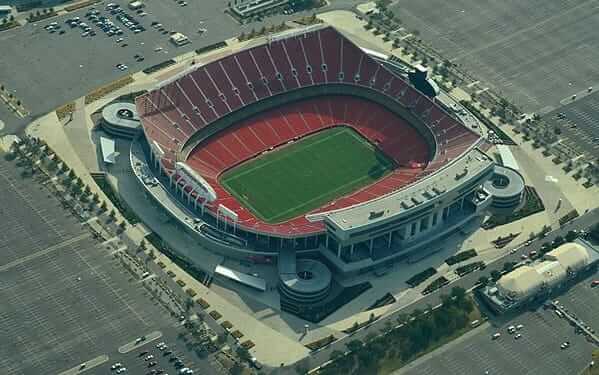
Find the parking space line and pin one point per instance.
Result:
(44, 252)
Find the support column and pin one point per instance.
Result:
(371, 247)
(338, 250)
(326, 241)
(389, 240)
(351, 250)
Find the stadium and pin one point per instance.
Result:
(304, 144)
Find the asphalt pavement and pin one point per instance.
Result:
(67, 300)
(534, 52)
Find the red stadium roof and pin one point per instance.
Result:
(171, 114)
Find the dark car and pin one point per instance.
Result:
(168, 352)
(173, 359)
(143, 353)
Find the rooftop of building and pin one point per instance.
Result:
(412, 197)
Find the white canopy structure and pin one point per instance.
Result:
(109, 153)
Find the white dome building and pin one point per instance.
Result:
(572, 256)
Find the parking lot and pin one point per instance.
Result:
(578, 124)
(534, 52)
(61, 67)
(538, 351)
(66, 299)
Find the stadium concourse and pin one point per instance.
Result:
(211, 118)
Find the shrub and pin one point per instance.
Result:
(466, 269)
(437, 284)
(248, 344)
(237, 334)
(65, 110)
(315, 345)
(203, 304)
(421, 277)
(105, 90)
(460, 257)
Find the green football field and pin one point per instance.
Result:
(305, 175)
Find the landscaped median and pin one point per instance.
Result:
(5, 24)
(105, 90)
(319, 344)
(419, 278)
(460, 257)
(65, 110)
(414, 336)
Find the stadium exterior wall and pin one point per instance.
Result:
(329, 257)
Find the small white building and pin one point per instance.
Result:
(179, 39)
(135, 5)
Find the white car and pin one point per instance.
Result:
(121, 370)
(116, 366)
(157, 49)
(496, 336)
(160, 344)
(517, 336)
(148, 357)
(123, 67)
(119, 40)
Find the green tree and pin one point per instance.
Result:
(459, 294)
(483, 281)
(189, 302)
(243, 353)
(354, 345)
(508, 266)
(237, 369)
(495, 275)
(336, 354)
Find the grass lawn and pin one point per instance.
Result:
(305, 175)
